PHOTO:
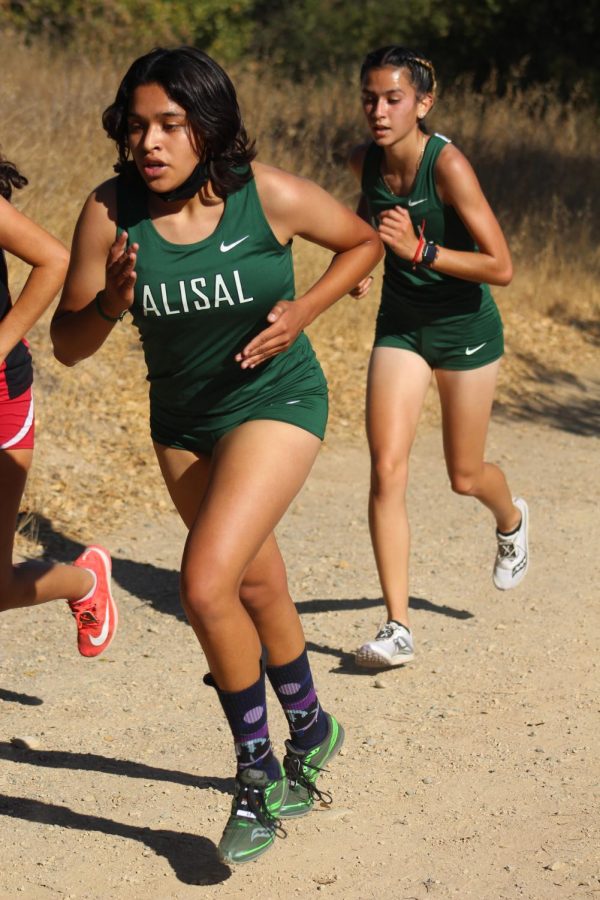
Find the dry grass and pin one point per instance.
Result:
(536, 159)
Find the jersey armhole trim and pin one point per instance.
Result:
(253, 190)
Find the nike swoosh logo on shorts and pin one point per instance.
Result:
(416, 202)
(471, 350)
(225, 248)
(291, 402)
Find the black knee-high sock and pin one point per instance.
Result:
(246, 712)
(295, 690)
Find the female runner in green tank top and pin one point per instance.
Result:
(202, 260)
(443, 246)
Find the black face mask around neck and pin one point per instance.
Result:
(190, 186)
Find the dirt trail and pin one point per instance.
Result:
(471, 773)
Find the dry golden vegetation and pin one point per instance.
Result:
(536, 158)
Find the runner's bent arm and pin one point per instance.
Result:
(355, 164)
(99, 263)
(48, 259)
(295, 206)
(458, 187)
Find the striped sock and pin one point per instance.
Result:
(295, 690)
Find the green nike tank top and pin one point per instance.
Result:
(421, 286)
(197, 305)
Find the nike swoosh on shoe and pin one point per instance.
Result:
(97, 641)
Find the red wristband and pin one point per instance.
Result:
(417, 257)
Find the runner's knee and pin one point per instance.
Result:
(208, 592)
(464, 482)
(388, 475)
(258, 593)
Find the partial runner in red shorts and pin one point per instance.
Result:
(17, 422)
(86, 583)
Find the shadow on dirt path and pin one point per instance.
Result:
(107, 765)
(193, 858)
(560, 399)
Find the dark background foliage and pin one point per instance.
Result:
(507, 43)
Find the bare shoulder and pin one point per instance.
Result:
(98, 218)
(276, 186)
(27, 240)
(283, 196)
(5, 206)
(452, 165)
(356, 159)
(298, 206)
(102, 201)
(9, 215)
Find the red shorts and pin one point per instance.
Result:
(17, 422)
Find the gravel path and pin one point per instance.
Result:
(471, 773)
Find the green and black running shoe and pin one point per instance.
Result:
(303, 767)
(254, 821)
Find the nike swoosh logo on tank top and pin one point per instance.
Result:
(225, 248)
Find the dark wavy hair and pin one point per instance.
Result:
(200, 86)
(420, 69)
(10, 178)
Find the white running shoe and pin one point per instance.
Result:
(393, 646)
(512, 558)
